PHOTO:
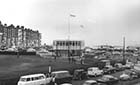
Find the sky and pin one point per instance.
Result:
(103, 21)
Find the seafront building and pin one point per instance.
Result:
(18, 36)
(68, 47)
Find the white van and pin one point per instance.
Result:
(34, 79)
(94, 71)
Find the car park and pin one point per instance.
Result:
(34, 79)
(90, 82)
(79, 74)
(94, 71)
(61, 77)
(108, 79)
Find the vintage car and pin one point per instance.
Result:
(125, 77)
(79, 74)
(90, 82)
(109, 69)
(61, 77)
(94, 71)
(108, 79)
(119, 67)
(34, 79)
(66, 84)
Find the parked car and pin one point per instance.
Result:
(119, 67)
(94, 71)
(79, 74)
(34, 79)
(66, 84)
(108, 79)
(61, 77)
(125, 77)
(129, 65)
(90, 82)
(109, 69)
(133, 75)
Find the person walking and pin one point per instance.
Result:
(82, 58)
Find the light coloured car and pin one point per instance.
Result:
(34, 79)
(108, 79)
(94, 71)
(125, 76)
(90, 82)
(66, 84)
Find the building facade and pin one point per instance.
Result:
(18, 36)
(68, 47)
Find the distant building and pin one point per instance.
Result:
(68, 47)
(19, 36)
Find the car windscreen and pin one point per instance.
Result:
(89, 69)
(62, 75)
(25, 79)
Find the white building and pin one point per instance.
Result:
(66, 47)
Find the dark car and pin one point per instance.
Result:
(119, 67)
(108, 79)
(61, 77)
(109, 69)
(79, 74)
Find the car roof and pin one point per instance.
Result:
(60, 71)
(32, 75)
(91, 81)
(79, 70)
(109, 76)
(93, 68)
(66, 84)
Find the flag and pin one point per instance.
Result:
(72, 15)
(81, 26)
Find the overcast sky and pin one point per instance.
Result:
(104, 21)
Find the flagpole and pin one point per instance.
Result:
(69, 27)
(69, 37)
(69, 32)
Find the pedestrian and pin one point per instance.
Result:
(52, 82)
(74, 60)
(82, 58)
(18, 56)
(69, 59)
